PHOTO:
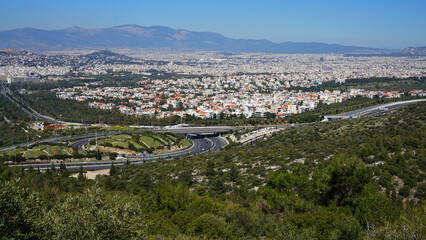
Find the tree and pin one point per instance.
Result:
(52, 167)
(404, 228)
(211, 227)
(143, 180)
(349, 228)
(282, 181)
(421, 191)
(63, 169)
(348, 175)
(210, 168)
(113, 156)
(233, 173)
(112, 170)
(19, 212)
(81, 173)
(98, 155)
(202, 205)
(90, 216)
(377, 209)
(218, 186)
(404, 191)
(186, 178)
(62, 166)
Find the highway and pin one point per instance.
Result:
(373, 110)
(80, 143)
(29, 111)
(182, 130)
(199, 146)
(380, 107)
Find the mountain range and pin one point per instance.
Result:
(134, 36)
(406, 52)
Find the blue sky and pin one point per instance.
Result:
(372, 23)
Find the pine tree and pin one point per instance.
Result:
(81, 173)
(52, 166)
(233, 173)
(210, 169)
(98, 155)
(113, 170)
(62, 167)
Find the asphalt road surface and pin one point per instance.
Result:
(379, 107)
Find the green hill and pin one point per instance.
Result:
(354, 179)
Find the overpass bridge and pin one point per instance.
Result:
(196, 130)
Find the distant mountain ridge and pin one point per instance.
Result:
(134, 36)
(414, 51)
(406, 52)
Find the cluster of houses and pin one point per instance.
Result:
(155, 99)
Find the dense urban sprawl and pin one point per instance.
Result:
(211, 84)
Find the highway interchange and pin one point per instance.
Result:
(183, 130)
(199, 146)
(201, 143)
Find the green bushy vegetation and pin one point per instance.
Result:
(10, 111)
(354, 179)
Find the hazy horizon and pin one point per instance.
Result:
(378, 24)
(76, 26)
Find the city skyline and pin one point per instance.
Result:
(382, 24)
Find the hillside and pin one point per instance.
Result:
(354, 179)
